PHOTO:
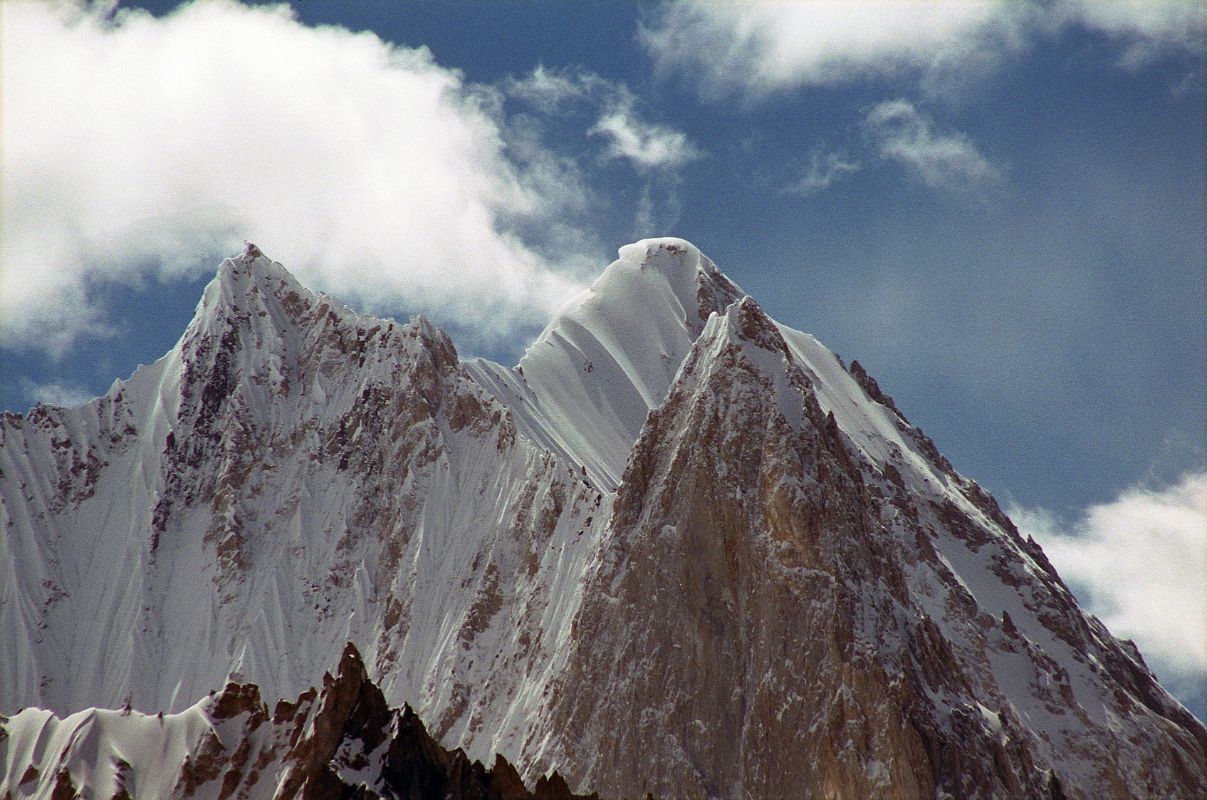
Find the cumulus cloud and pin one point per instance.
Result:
(1140, 564)
(947, 160)
(763, 47)
(137, 145)
(769, 46)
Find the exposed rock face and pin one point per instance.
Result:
(340, 742)
(766, 599)
(679, 548)
(292, 476)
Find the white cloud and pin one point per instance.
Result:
(764, 47)
(140, 144)
(628, 135)
(901, 133)
(645, 145)
(1144, 27)
(823, 170)
(55, 393)
(769, 46)
(1140, 564)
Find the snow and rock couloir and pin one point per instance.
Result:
(679, 548)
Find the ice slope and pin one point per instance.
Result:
(586, 384)
(95, 747)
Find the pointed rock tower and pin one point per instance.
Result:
(680, 548)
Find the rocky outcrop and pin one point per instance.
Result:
(342, 741)
(680, 548)
(767, 620)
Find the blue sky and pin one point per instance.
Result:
(998, 208)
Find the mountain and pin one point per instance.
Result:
(678, 548)
(342, 741)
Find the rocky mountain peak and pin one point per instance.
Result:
(791, 592)
(257, 325)
(746, 321)
(241, 279)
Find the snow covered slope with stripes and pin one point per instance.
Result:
(678, 548)
(585, 386)
(340, 740)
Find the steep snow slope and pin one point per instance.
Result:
(678, 547)
(333, 742)
(584, 387)
(292, 476)
(786, 612)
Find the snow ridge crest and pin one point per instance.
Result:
(788, 572)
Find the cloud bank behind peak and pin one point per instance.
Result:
(1140, 563)
(137, 145)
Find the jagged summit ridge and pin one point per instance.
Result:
(679, 548)
(339, 739)
(744, 494)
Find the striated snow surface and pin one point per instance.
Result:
(679, 548)
(584, 388)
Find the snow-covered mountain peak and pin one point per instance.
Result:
(668, 255)
(260, 297)
(255, 292)
(694, 280)
(586, 384)
(247, 274)
(255, 318)
(790, 592)
(746, 321)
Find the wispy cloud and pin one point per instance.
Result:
(941, 159)
(1143, 28)
(135, 145)
(1140, 564)
(55, 393)
(552, 90)
(823, 170)
(608, 112)
(645, 145)
(627, 134)
(753, 49)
